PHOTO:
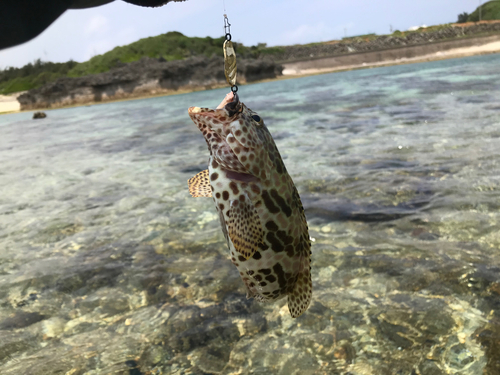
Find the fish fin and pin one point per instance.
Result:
(244, 227)
(300, 298)
(199, 185)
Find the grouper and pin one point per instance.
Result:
(260, 211)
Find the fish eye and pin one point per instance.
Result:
(256, 118)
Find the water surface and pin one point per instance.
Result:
(108, 266)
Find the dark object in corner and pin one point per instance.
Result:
(39, 115)
(22, 20)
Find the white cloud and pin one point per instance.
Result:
(307, 34)
(98, 24)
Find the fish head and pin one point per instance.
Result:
(237, 138)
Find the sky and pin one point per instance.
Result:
(81, 34)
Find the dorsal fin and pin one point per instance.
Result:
(244, 227)
(199, 185)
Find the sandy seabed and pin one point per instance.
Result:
(9, 103)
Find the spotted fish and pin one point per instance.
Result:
(260, 210)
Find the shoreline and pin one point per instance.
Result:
(294, 69)
(9, 103)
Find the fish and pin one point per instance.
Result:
(259, 207)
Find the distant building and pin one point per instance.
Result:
(414, 28)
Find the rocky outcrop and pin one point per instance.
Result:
(144, 77)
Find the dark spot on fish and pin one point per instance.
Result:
(271, 278)
(217, 195)
(263, 246)
(278, 270)
(257, 277)
(237, 150)
(286, 239)
(257, 255)
(269, 203)
(281, 202)
(237, 133)
(214, 176)
(242, 198)
(214, 164)
(221, 206)
(263, 284)
(279, 166)
(255, 188)
(265, 271)
(225, 195)
(290, 251)
(276, 244)
(234, 187)
(241, 258)
(271, 225)
(243, 158)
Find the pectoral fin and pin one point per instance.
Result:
(199, 185)
(244, 227)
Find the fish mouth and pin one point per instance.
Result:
(230, 104)
(234, 106)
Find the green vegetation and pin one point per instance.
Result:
(489, 11)
(420, 30)
(463, 17)
(169, 46)
(365, 37)
(32, 75)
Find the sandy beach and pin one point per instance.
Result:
(9, 103)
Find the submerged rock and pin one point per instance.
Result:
(20, 319)
(38, 115)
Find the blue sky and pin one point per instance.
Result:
(81, 34)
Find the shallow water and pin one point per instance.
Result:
(108, 266)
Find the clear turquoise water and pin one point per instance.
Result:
(107, 265)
